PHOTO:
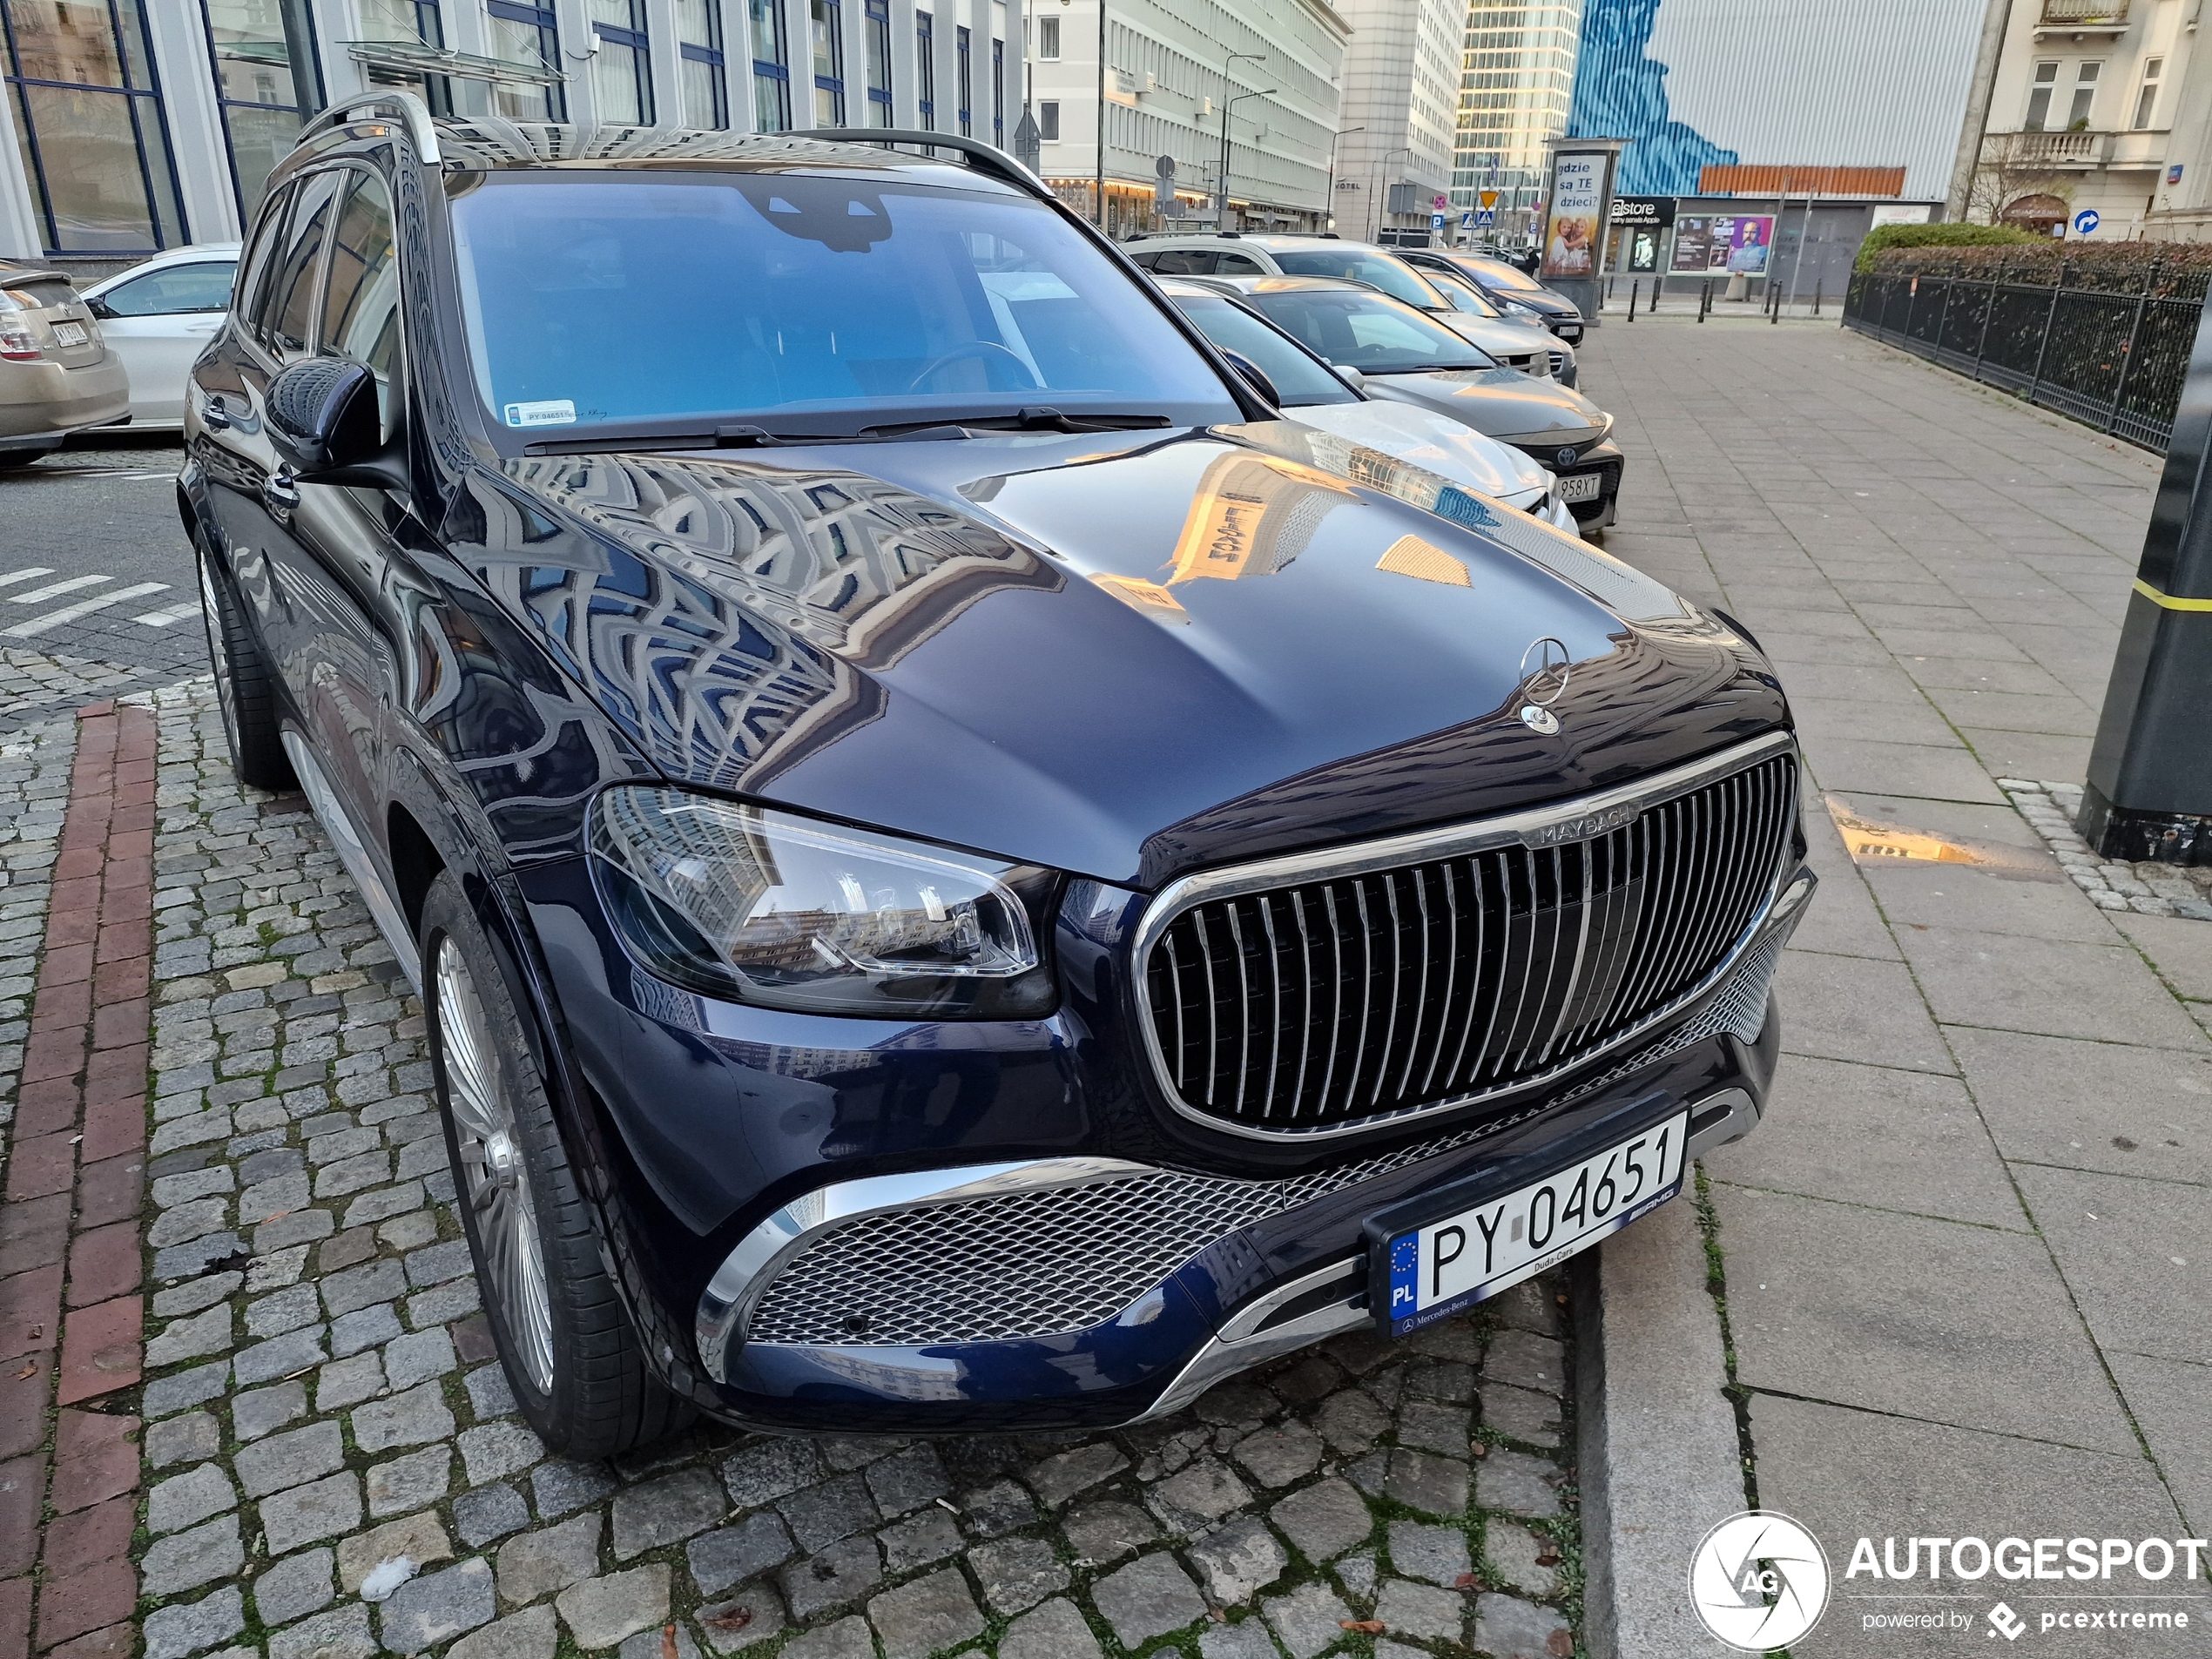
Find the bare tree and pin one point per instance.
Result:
(2013, 165)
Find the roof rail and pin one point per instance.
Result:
(984, 157)
(411, 111)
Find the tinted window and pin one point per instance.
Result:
(291, 308)
(606, 297)
(252, 301)
(1462, 294)
(1185, 261)
(1367, 332)
(1393, 277)
(179, 288)
(1299, 380)
(1239, 265)
(1496, 273)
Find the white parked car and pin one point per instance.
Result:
(1311, 393)
(158, 317)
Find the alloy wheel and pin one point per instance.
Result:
(498, 1193)
(218, 653)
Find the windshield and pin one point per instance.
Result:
(1393, 277)
(1367, 332)
(749, 298)
(1496, 273)
(1299, 380)
(1463, 294)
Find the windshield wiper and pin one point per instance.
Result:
(741, 436)
(1036, 418)
(725, 436)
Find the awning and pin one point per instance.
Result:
(412, 57)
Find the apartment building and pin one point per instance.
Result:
(1516, 84)
(1174, 73)
(132, 125)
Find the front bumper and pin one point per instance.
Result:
(999, 1241)
(1607, 461)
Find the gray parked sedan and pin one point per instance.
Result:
(57, 374)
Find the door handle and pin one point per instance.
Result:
(280, 491)
(212, 412)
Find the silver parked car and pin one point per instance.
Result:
(159, 317)
(57, 374)
(1527, 345)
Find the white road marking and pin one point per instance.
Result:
(163, 619)
(14, 577)
(54, 588)
(83, 608)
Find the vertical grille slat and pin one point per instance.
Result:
(1338, 999)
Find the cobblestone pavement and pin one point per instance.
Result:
(2111, 883)
(322, 1399)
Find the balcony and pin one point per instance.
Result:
(2075, 151)
(2082, 18)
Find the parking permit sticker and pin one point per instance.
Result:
(557, 411)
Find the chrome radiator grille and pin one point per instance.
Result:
(1323, 1003)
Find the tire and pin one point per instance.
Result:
(245, 686)
(572, 1356)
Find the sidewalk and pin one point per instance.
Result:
(1965, 1256)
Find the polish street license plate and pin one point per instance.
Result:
(69, 334)
(1581, 486)
(1448, 1266)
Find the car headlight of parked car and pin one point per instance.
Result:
(734, 900)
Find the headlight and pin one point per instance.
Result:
(734, 900)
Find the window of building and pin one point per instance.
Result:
(926, 69)
(699, 66)
(2084, 96)
(2146, 95)
(2045, 78)
(1049, 121)
(1048, 40)
(622, 77)
(825, 21)
(770, 66)
(965, 80)
(403, 20)
(878, 33)
(258, 56)
(998, 93)
(525, 33)
(90, 125)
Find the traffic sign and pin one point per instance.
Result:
(1164, 186)
(2085, 221)
(1440, 204)
(1436, 221)
(1466, 218)
(1485, 216)
(1487, 200)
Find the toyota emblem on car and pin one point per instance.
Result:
(1544, 670)
(1565, 457)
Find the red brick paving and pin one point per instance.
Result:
(79, 1130)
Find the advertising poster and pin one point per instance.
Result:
(1577, 201)
(1643, 247)
(1730, 243)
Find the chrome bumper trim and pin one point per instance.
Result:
(1241, 1343)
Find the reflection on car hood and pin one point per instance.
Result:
(1501, 404)
(1499, 337)
(1412, 433)
(1117, 656)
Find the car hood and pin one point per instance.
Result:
(1115, 657)
(1501, 403)
(1408, 432)
(1499, 337)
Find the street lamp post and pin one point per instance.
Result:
(1329, 207)
(1374, 186)
(1221, 176)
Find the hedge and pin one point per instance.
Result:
(1883, 238)
(2174, 269)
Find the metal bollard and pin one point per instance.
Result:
(1774, 301)
(1705, 300)
(1635, 289)
(1816, 299)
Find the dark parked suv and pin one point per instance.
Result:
(962, 871)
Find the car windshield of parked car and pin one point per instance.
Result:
(1463, 294)
(1300, 381)
(1393, 277)
(1496, 273)
(203, 285)
(1367, 332)
(753, 298)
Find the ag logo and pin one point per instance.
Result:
(1758, 1581)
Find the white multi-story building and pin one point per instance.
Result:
(1400, 110)
(1174, 71)
(1516, 82)
(132, 125)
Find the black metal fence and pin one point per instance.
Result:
(2111, 356)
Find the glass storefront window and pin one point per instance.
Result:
(878, 33)
(524, 33)
(699, 45)
(90, 125)
(770, 66)
(825, 19)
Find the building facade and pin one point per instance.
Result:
(2099, 124)
(1174, 70)
(132, 125)
(1399, 115)
(1516, 82)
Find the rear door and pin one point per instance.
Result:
(157, 324)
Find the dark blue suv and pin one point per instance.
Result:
(963, 871)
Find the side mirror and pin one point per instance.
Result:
(101, 309)
(1255, 377)
(323, 423)
(1353, 378)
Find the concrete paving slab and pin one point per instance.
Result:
(2179, 947)
(2029, 754)
(2135, 1252)
(1844, 1007)
(2083, 1105)
(1876, 1309)
(1872, 1135)
(2168, 1400)
(2054, 987)
(2028, 897)
(1931, 772)
(1842, 919)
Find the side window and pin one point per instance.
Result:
(360, 306)
(290, 311)
(1237, 265)
(254, 280)
(1145, 261)
(204, 286)
(1186, 261)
